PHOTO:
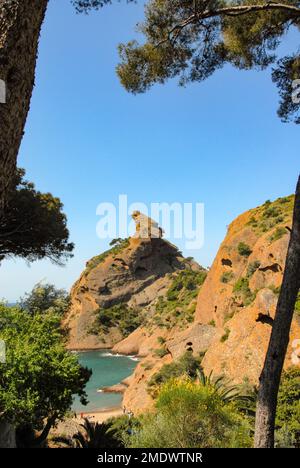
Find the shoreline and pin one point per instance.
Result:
(100, 415)
(110, 350)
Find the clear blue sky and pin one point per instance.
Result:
(87, 140)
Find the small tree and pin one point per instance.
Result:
(288, 412)
(45, 298)
(40, 377)
(190, 415)
(194, 38)
(34, 226)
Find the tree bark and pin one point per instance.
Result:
(20, 25)
(7, 435)
(271, 373)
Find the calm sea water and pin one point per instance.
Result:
(107, 370)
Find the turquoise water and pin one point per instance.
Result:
(107, 370)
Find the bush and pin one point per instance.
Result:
(277, 234)
(187, 365)
(288, 408)
(297, 305)
(271, 212)
(253, 266)
(227, 277)
(161, 352)
(45, 298)
(161, 340)
(225, 336)
(118, 246)
(178, 307)
(191, 415)
(126, 318)
(40, 377)
(244, 249)
(242, 288)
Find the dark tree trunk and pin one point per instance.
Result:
(20, 24)
(271, 373)
(7, 435)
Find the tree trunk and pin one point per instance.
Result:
(20, 24)
(7, 435)
(271, 373)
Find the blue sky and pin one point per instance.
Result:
(87, 140)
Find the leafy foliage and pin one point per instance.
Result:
(226, 277)
(288, 408)
(244, 249)
(252, 268)
(278, 234)
(297, 305)
(125, 318)
(225, 336)
(33, 226)
(85, 6)
(40, 377)
(118, 246)
(271, 214)
(178, 307)
(187, 365)
(191, 415)
(96, 436)
(46, 298)
(193, 39)
(242, 289)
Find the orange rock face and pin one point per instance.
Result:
(234, 312)
(240, 293)
(136, 275)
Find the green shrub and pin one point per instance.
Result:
(178, 306)
(40, 377)
(44, 299)
(242, 288)
(225, 336)
(191, 415)
(244, 249)
(270, 214)
(212, 323)
(252, 267)
(252, 221)
(288, 408)
(125, 318)
(161, 352)
(226, 277)
(187, 365)
(275, 289)
(161, 340)
(277, 234)
(297, 305)
(119, 245)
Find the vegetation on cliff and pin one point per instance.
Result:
(271, 214)
(117, 248)
(179, 304)
(187, 365)
(125, 318)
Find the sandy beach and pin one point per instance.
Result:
(99, 416)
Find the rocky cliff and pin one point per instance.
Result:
(235, 306)
(240, 294)
(153, 303)
(121, 289)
